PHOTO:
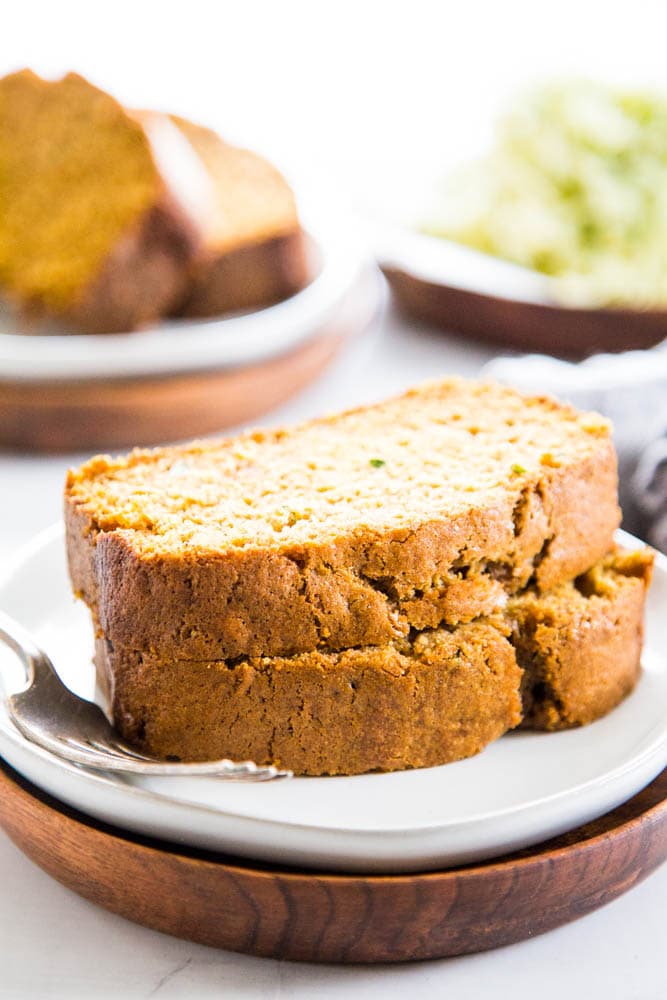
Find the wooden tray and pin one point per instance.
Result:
(322, 917)
(99, 414)
(548, 329)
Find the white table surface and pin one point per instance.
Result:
(361, 90)
(55, 945)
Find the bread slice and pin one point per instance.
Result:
(346, 531)
(254, 251)
(580, 644)
(443, 697)
(435, 697)
(95, 230)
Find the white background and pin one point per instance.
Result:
(359, 92)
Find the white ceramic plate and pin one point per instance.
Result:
(340, 257)
(524, 788)
(443, 262)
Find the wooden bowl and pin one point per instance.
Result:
(464, 291)
(546, 329)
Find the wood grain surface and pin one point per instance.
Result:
(97, 414)
(320, 917)
(564, 332)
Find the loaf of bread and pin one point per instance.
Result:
(550, 661)
(95, 229)
(111, 219)
(253, 251)
(348, 531)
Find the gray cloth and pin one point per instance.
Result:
(630, 389)
(650, 490)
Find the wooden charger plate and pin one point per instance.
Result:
(321, 917)
(72, 393)
(119, 413)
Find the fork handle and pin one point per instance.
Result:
(104, 760)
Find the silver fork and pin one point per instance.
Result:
(49, 714)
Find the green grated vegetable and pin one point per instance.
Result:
(576, 188)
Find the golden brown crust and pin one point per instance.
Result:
(439, 697)
(347, 713)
